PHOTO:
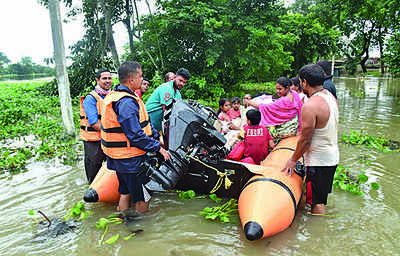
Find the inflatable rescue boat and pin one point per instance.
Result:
(268, 199)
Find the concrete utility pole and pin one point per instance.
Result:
(61, 70)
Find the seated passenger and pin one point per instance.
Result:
(283, 115)
(256, 142)
(224, 107)
(296, 86)
(257, 139)
(235, 114)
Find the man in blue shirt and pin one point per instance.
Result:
(328, 82)
(126, 135)
(164, 95)
(90, 115)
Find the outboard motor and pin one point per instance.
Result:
(191, 130)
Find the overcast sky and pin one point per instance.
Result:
(25, 31)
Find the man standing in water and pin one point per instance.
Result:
(164, 96)
(328, 83)
(90, 116)
(318, 140)
(126, 137)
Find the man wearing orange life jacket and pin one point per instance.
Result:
(90, 116)
(126, 136)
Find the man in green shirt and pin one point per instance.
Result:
(164, 95)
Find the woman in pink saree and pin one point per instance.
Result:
(282, 116)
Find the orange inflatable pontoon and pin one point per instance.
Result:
(269, 200)
(104, 187)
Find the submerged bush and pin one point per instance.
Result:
(25, 109)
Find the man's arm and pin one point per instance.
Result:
(252, 103)
(308, 122)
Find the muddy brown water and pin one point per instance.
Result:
(359, 225)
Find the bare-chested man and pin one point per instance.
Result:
(318, 140)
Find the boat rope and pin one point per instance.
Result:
(222, 176)
(280, 183)
(276, 149)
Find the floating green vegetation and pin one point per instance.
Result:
(360, 138)
(358, 94)
(222, 213)
(344, 181)
(25, 110)
(77, 212)
(104, 223)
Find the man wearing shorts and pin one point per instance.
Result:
(126, 136)
(318, 140)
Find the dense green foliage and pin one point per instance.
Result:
(24, 67)
(25, 111)
(222, 43)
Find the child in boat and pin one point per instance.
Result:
(224, 107)
(257, 139)
(234, 112)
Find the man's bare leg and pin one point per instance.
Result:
(124, 202)
(142, 206)
(318, 208)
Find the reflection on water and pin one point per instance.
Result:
(367, 224)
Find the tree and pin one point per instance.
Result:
(62, 76)
(4, 60)
(224, 42)
(307, 38)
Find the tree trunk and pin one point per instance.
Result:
(114, 52)
(362, 63)
(61, 70)
(381, 50)
(127, 23)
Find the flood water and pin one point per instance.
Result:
(358, 225)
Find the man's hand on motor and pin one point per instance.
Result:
(165, 154)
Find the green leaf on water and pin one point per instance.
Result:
(31, 212)
(185, 195)
(129, 237)
(362, 178)
(374, 185)
(80, 205)
(112, 239)
(102, 223)
(215, 198)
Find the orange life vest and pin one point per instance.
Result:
(113, 140)
(88, 133)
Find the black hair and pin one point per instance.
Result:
(221, 103)
(145, 79)
(183, 73)
(235, 99)
(99, 72)
(254, 116)
(313, 74)
(296, 82)
(127, 69)
(167, 76)
(326, 66)
(284, 81)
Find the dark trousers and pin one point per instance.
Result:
(94, 157)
